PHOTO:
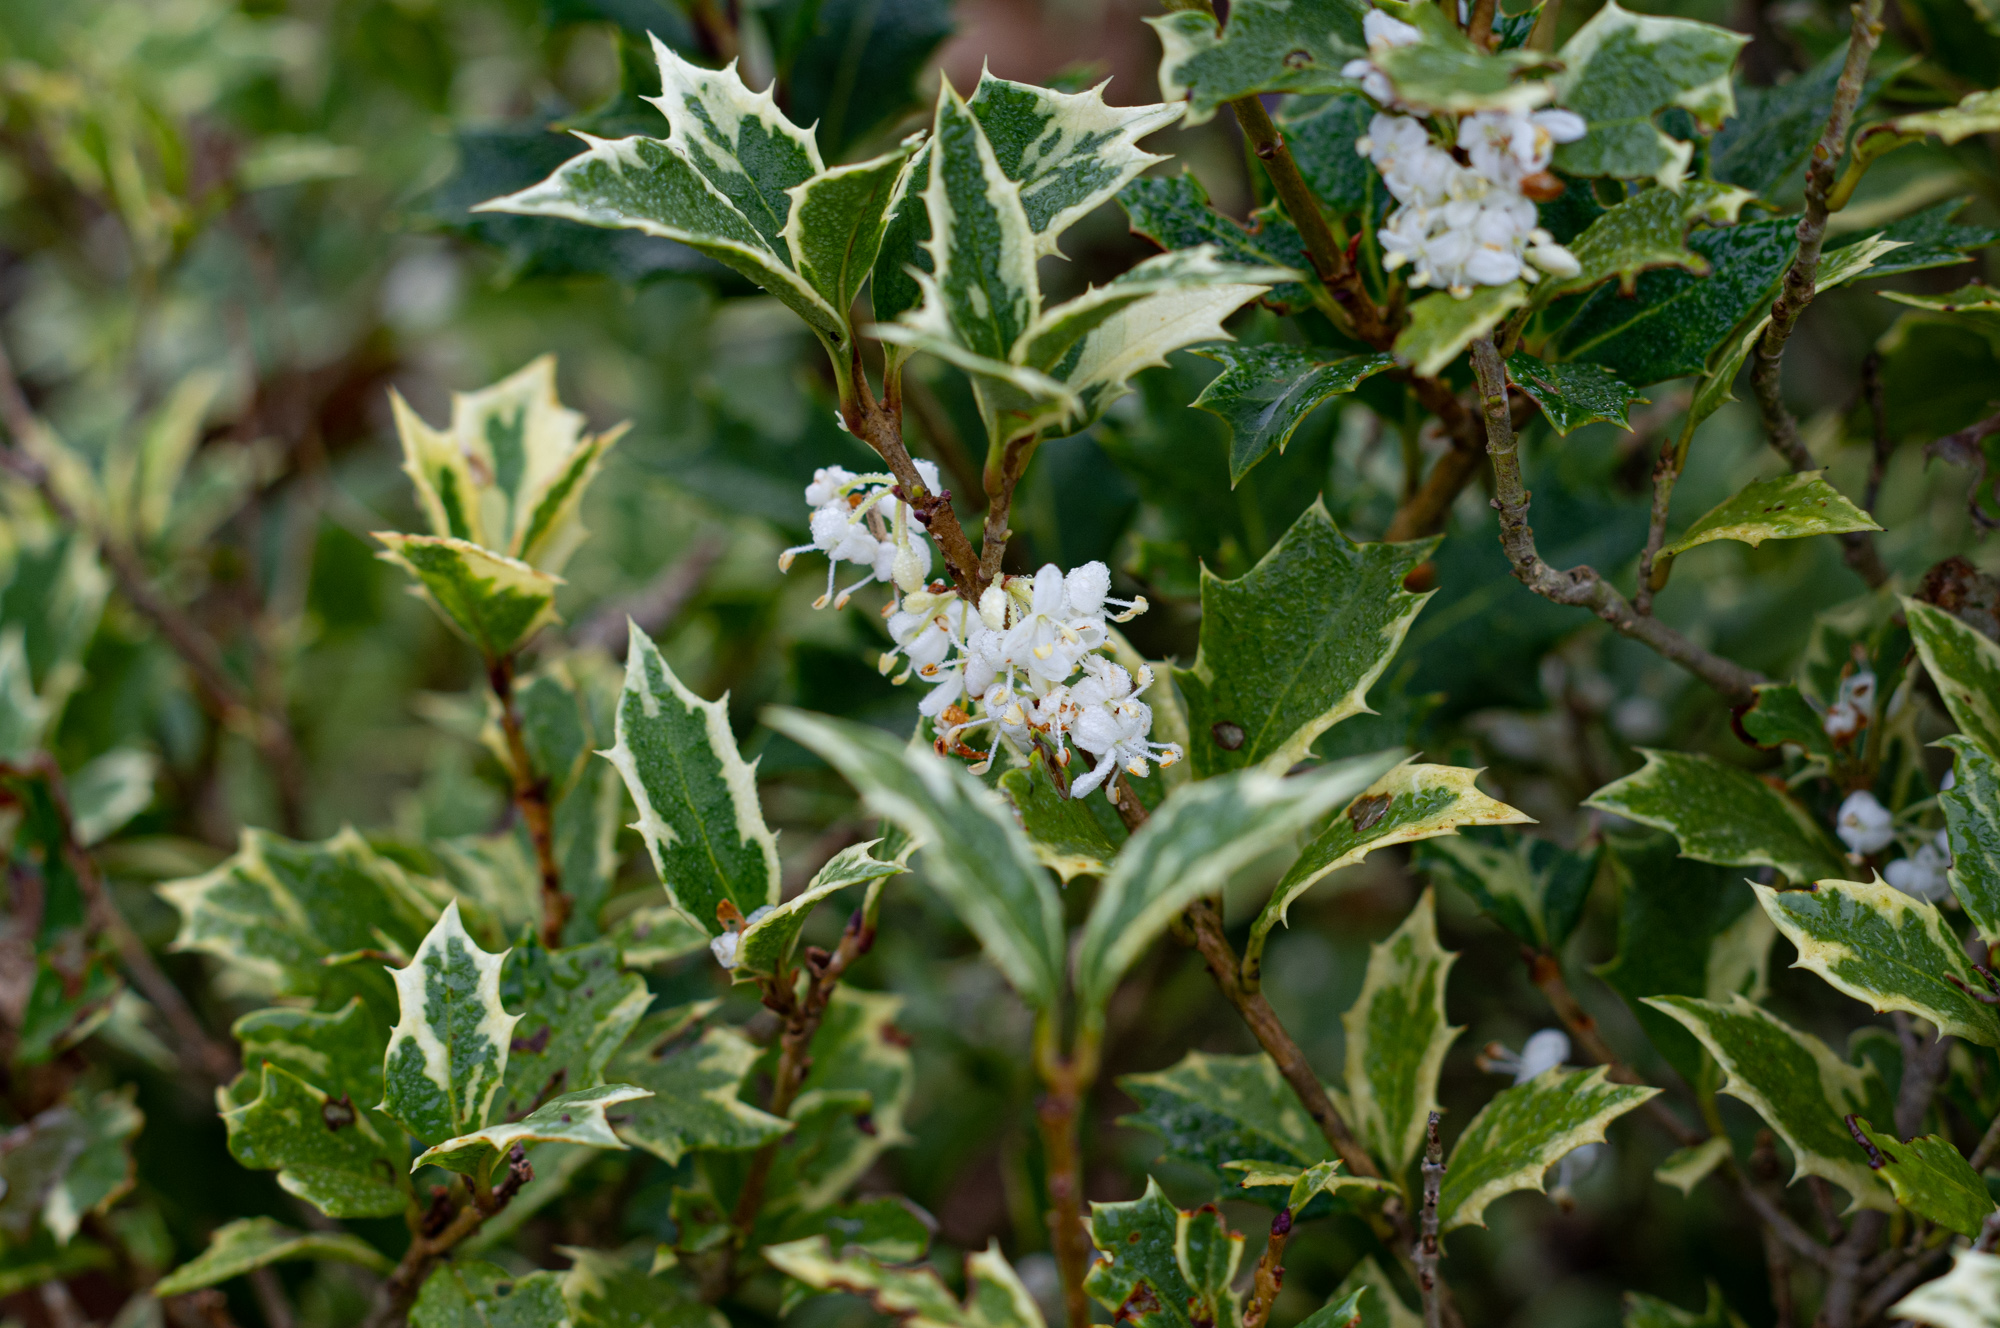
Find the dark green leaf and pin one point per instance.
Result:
(1209, 1110)
(1265, 392)
(470, 1294)
(1573, 395)
(1722, 814)
(1173, 212)
(1291, 648)
(1930, 1178)
(1266, 46)
(1774, 128)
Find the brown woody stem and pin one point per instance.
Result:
(205, 1058)
(1428, 1252)
(531, 799)
(801, 1016)
(880, 425)
(1059, 1115)
(1801, 278)
(1579, 586)
(398, 1291)
(1269, 1278)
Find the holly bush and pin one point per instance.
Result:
(1061, 914)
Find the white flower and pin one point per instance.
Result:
(1864, 824)
(1381, 31)
(725, 946)
(856, 519)
(1922, 874)
(1113, 725)
(1543, 1051)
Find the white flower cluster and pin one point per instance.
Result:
(1461, 225)
(1543, 1051)
(1867, 827)
(858, 519)
(1853, 710)
(1023, 665)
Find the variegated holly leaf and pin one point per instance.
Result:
(1523, 1132)
(1442, 325)
(696, 1084)
(1211, 1111)
(1801, 1089)
(1573, 395)
(576, 1008)
(495, 602)
(466, 1293)
(1978, 113)
(101, 1172)
(1069, 836)
(1290, 648)
(1409, 803)
(1686, 1168)
(328, 1149)
(1930, 1178)
(309, 1108)
(603, 1290)
(447, 1054)
(722, 184)
(1162, 1267)
(651, 936)
(1200, 836)
(258, 1242)
(1888, 949)
(1173, 212)
(1301, 1185)
(1722, 814)
(1966, 1297)
(1685, 928)
(573, 1118)
(764, 947)
(834, 232)
(1644, 232)
(850, 1107)
(697, 797)
(1265, 46)
(1265, 392)
(1068, 151)
(1397, 1036)
(889, 1228)
(1790, 506)
(1972, 822)
(509, 472)
(1447, 72)
(1348, 1311)
(1622, 69)
(276, 912)
(978, 858)
(1673, 326)
(1965, 665)
(995, 1297)
(1533, 887)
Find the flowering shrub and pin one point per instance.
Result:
(527, 1016)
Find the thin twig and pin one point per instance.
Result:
(531, 799)
(1778, 1271)
(1963, 449)
(435, 1233)
(880, 425)
(1843, 1279)
(205, 1059)
(1652, 573)
(1059, 1115)
(1893, 1287)
(1802, 276)
(1269, 1278)
(943, 435)
(1989, 1144)
(1579, 586)
(1428, 1252)
(801, 1016)
(1922, 1067)
(271, 1299)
